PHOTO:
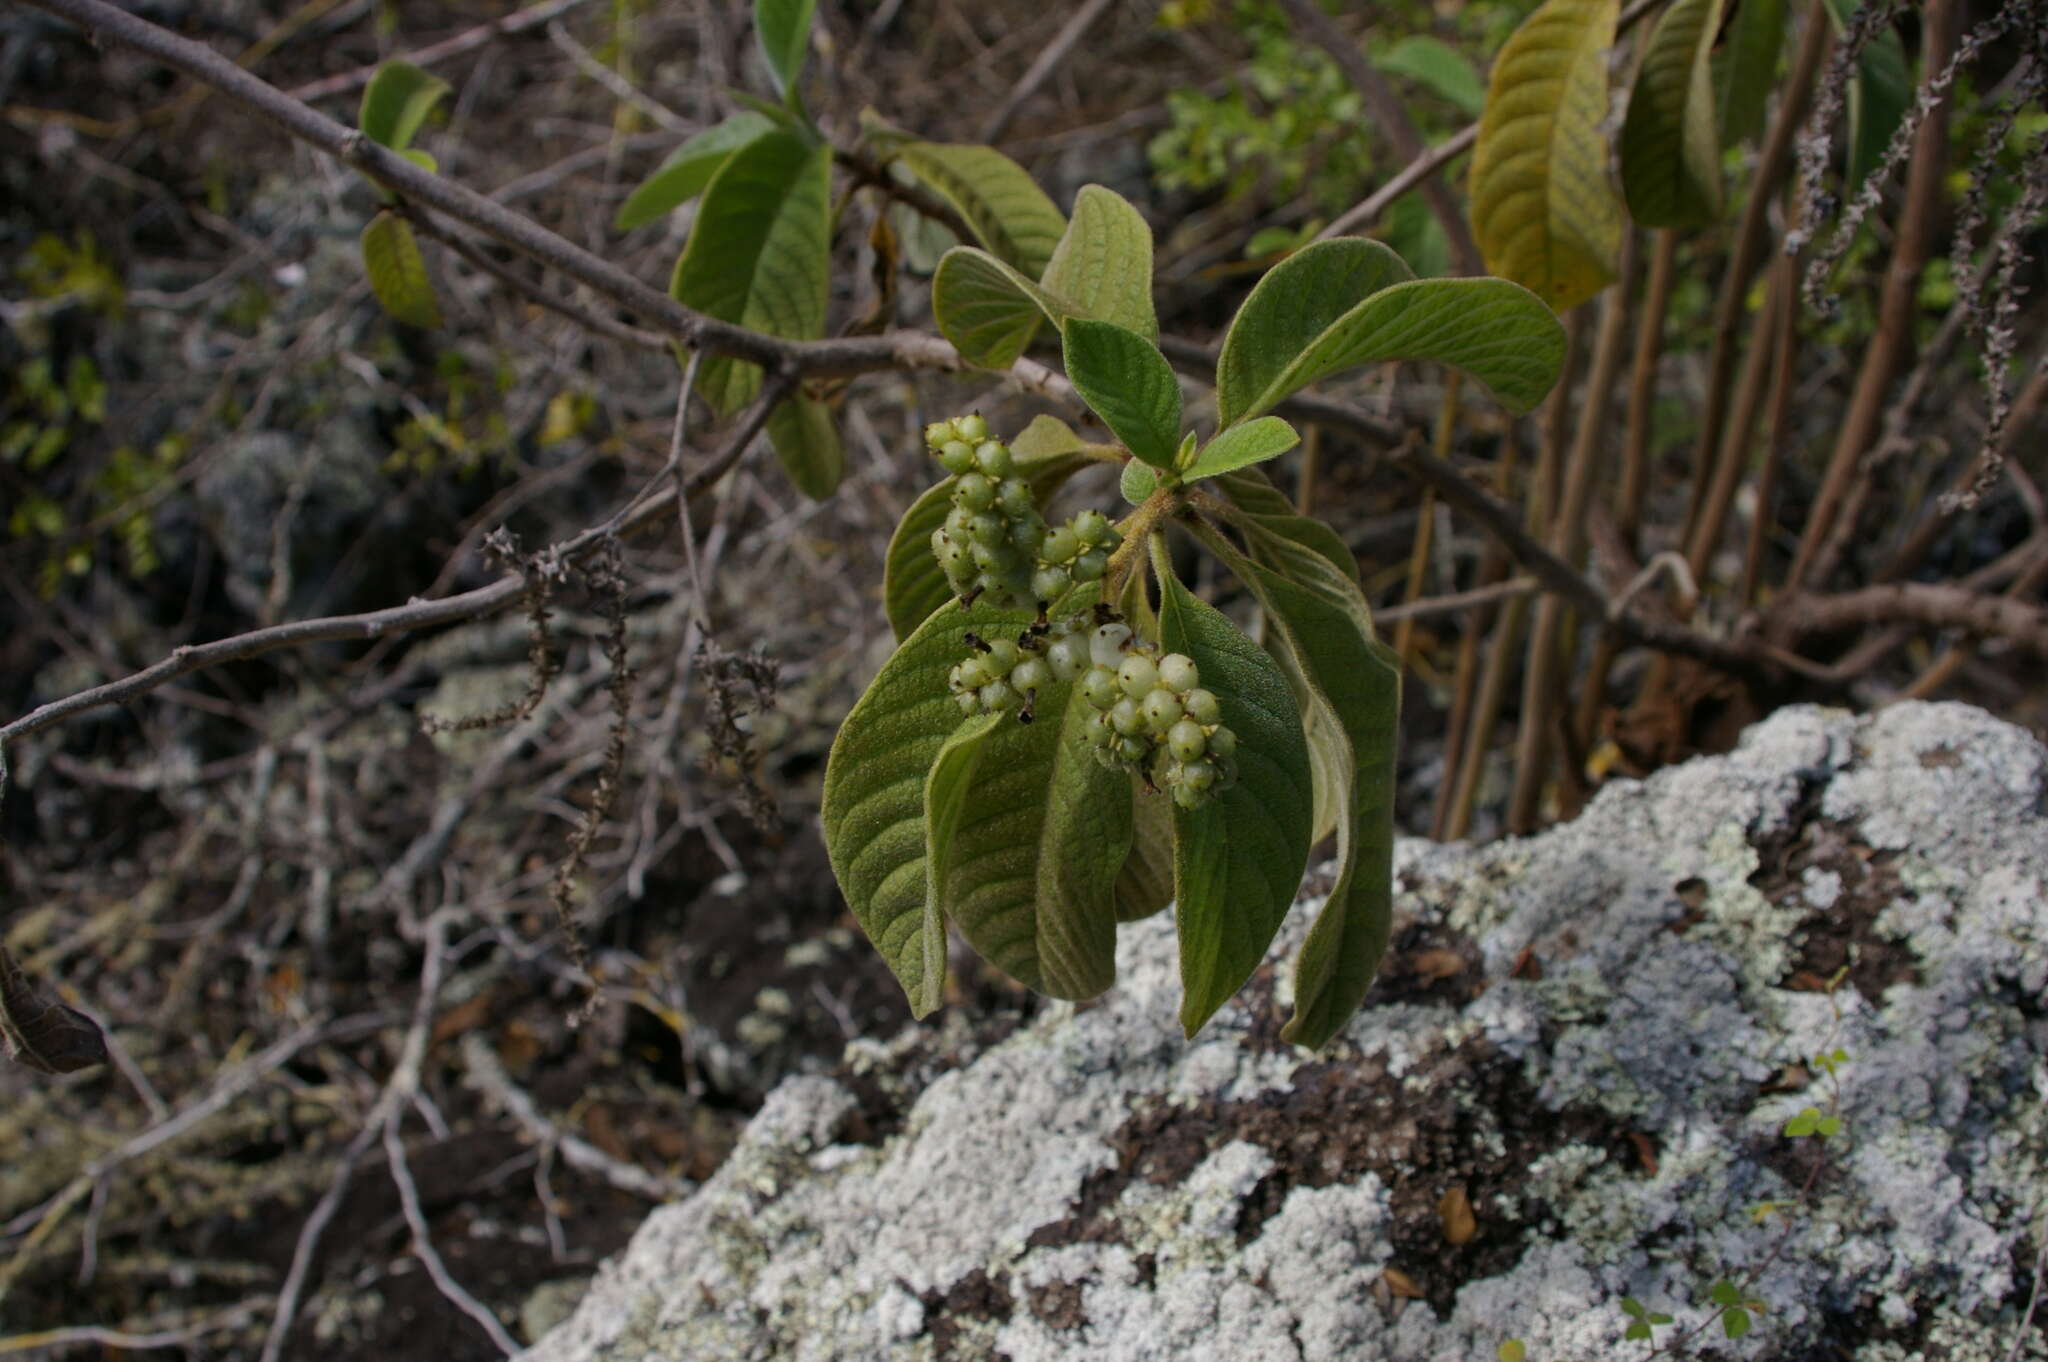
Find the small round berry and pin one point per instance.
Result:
(1106, 645)
(972, 674)
(1202, 707)
(956, 456)
(974, 491)
(1125, 718)
(1014, 495)
(969, 702)
(993, 458)
(1000, 697)
(1027, 532)
(1188, 798)
(987, 529)
(1099, 685)
(1098, 732)
(1050, 583)
(1177, 672)
(1067, 657)
(1032, 674)
(1061, 544)
(1186, 740)
(960, 523)
(971, 427)
(1138, 674)
(938, 433)
(1223, 743)
(1091, 566)
(1091, 527)
(1161, 709)
(1001, 656)
(1131, 751)
(1226, 774)
(1197, 775)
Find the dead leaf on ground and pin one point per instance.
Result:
(1455, 1210)
(1436, 964)
(1401, 1284)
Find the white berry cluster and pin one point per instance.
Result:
(1002, 675)
(1153, 717)
(995, 544)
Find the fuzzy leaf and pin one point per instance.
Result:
(397, 101)
(1542, 211)
(398, 273)
(989, 310)
(689, 169)
(38, 1031)
(1437, 67)
(948, 787)
(806, 441)
(1281, 537)
(1745, 66)
(1878, 96)
(1137, 481)
(784, 30)
(1145, 884)
(997, 198)
(875, 778)
(1104, 262)
(1297, 300)
(1670, 142)
(1238, 859)
(759, 253)
(1128, 383)
(1242, 446)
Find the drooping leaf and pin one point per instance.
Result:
(806, 441)
(759, 253)
(1352, 687)
(1128, 383)
(874, 803)
(1145, 884)
(1238, 859)
(398, 273)
(1047, 437)
(38, 1031)
(1283, 538)
(1029, 874)
(1670, 141)
(997, 198)
(1437, 67)
(989, 310)
(1103, 264)
(948, 790)
(1297, 300)
(1496, 331)
(1241, 446)
(1746, 66)
(688, 169)
(784, 30)
(397, 101)
(1878, 96)
(1542, 211)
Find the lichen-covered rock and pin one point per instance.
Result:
(1569, 1086)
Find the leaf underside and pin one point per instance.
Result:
(1103, 262)
(398, 273)
(1670, 141)
(997, 198)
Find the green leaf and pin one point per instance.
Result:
(1724, 1293)
(1511, 1350)
(759, 253)
(1735, 1321)
(806, 441)
(1238, 859)
(1137, 481)
(1103, 263)
(1241, 446)
(398, 273)
(1047, 437)
(688, 169)
(875, 778)
(784, 30)
(948, 790)
(997, 198)
(1145, 884)
(1029, 875)
(1745, 66)
(1878, 96)
(397, 101)
(1498, 332)
(1670, 142)
(1542, 211)
(424, 160)
(1437, 67)
(989, 310)
(1297, 300)
(1128, 383)
(1283, 538)
(1805, 1123)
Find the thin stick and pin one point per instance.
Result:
(516, 22)
(423, 1246)
(1047, 62)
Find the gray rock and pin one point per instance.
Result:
(1592, 1038)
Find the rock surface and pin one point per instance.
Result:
(1577, 1064)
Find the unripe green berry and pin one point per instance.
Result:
(1014, 495)
(1162, 710)
(974, 491)
(1197, 775)
(987, 529)
(1091, 566)
(1098, 732)
(1061, 544)
(1178, 673)
(1222, 743)
(1138, 675)
(1130, 751)
(971, 427)
(993, 458)
(1202, 707)
(1106, 645)
(1186, 740)
(956, 456)
(1027, 532)
(969, 702)
(999, 697)
(1125, 718)
(1050, 583)
(1091, 527)
(1189, 798)
(939, 432)
(1067, 657)
(1100, 686)
(972, 674)
(960, 523)
(1030, 675)
(1001, 656)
